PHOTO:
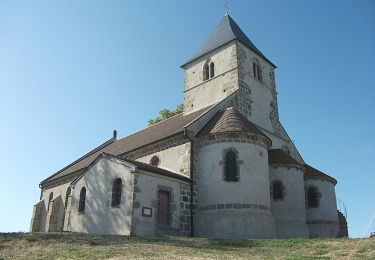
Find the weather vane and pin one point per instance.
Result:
(226, 8)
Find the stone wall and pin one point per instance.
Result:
(146, 192)
(55, 214)
(99, 216)
(199, 93)
(290, 211)
(36, 219)
(323, 220)
(257, 101)
(58, 188)
(233, 209)
(173, 153)
(185, 206)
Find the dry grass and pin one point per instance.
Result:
(84, 246)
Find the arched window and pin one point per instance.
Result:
(313, 197)
(277, 190)
(257, 71)
(49, 200)
(116, 192)
(82, 200)
(206, 72)
(68, 190)
(212, 70)
(230, 166)
(155, 161)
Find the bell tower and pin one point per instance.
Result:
(229, 63)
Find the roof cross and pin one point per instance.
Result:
(226, 8)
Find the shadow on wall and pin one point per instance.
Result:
(99, 217)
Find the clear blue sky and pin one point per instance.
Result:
(72, 71)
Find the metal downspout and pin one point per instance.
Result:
(191, 182)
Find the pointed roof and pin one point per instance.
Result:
(278, 156)
(227, 30)
(230, 120)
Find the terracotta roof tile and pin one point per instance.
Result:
(312, 173)
(229, 120)
(163, 129)
(278, 156)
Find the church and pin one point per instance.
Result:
(223, 168)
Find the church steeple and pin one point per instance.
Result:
(226, 31)
(229, 63)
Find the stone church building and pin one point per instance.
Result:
(223, 168)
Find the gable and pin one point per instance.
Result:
(109, 165)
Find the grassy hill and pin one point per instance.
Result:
(84, 246)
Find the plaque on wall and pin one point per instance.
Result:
(146, 212)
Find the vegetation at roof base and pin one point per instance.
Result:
(165, 114)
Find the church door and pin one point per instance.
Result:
(163, 207)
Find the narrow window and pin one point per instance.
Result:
(68, 190)
(212, 70)
(155, 161)
(206, 71)
(49, 200)
(255, 70)
(230, 166)
(277, 190)
(82, 200)
(116, 192)
(312, 197)
(259, 73)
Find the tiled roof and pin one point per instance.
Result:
(229, 120)
(161, 130)
(278, 156)
(312, 173)
(226, 31)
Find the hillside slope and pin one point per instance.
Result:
(84, 246)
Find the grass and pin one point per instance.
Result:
(85, 246)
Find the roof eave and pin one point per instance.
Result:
(105, 144)
(191, 60)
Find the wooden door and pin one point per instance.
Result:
(163, 210)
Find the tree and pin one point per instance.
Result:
(165, 114)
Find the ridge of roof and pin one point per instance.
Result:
(164, 129)
(312, 173)
(229, 120)
(226, 31)
(100, 147)
(279, 156)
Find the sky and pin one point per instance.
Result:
(73, 71)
